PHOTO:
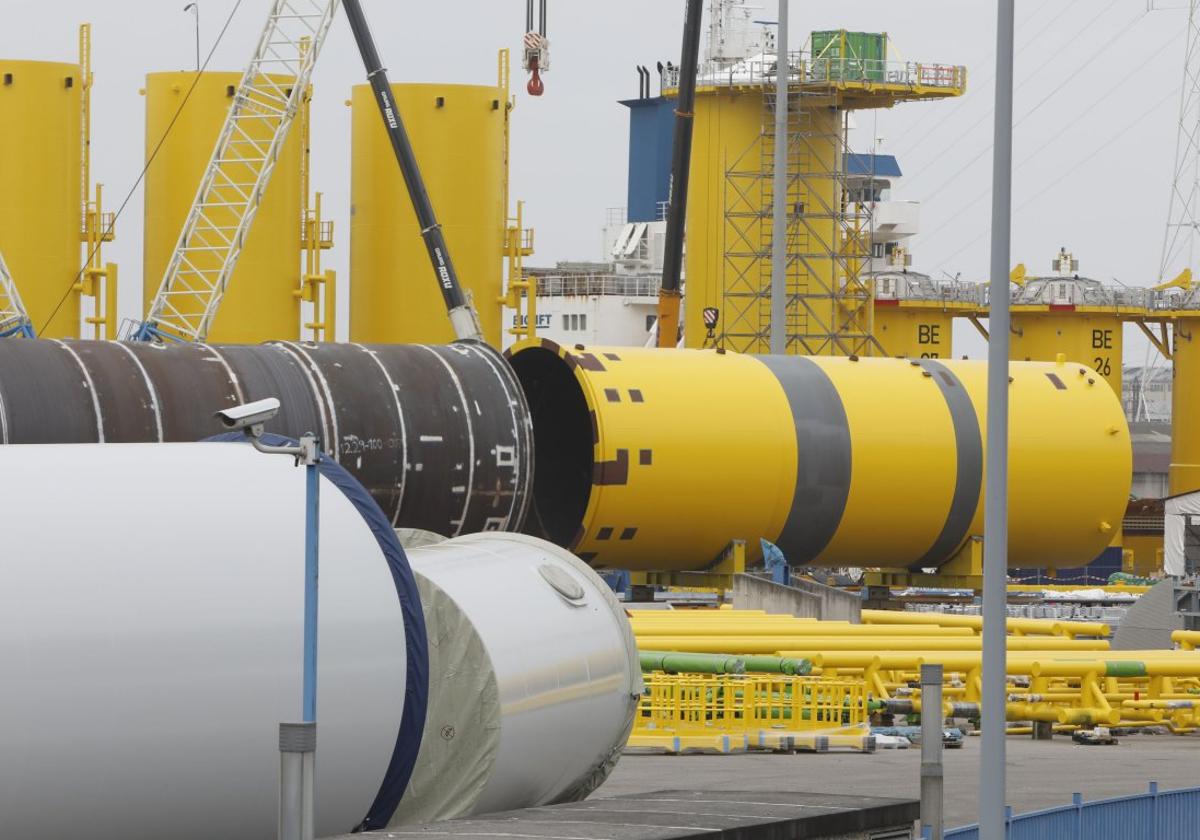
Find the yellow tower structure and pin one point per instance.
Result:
(1067, 314)
(44, 184)
(1185, 398)
(914, 314)
(1177, 303)
(829, 310)
(265, 291)
(460, 136)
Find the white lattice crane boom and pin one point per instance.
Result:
(13, 318)
(232, 189)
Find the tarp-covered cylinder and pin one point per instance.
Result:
(439, 435)
(661, 457)
(534, 677)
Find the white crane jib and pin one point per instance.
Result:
(235, 181)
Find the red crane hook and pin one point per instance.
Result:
(535, 86)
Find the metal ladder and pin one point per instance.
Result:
(13, 320)
(232, 189)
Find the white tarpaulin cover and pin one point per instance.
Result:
(534, 677)
(1177, 511)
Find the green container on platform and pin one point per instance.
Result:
(841, 56)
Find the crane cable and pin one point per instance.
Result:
(957, 109)
(1120, 33)
(1112, 138)
(957, 213)
(142, 175)
(537, 48)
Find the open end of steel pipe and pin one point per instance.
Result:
(562, 425)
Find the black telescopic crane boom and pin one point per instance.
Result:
(462, 315)
(681, 158)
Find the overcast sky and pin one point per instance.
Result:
(1096, 104)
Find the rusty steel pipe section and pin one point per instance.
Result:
(439, 435)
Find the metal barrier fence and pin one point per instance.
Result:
(1155, 815)
(729, 712)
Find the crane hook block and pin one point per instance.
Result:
(537, 61)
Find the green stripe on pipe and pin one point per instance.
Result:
(1124, 668)
(777, 665)
(691, 663)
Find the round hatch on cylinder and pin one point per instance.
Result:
(562, 583)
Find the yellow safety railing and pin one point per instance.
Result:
(730, 713)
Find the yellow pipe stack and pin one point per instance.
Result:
(1057, 674)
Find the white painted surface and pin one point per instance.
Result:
(151, 601)
(567, 671)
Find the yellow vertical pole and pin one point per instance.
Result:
(85, 98)
(98, 280)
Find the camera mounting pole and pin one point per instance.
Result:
(297, 741)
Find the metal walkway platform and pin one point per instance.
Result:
(679, 814)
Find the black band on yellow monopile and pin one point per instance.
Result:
(968, 480)
(823, 457)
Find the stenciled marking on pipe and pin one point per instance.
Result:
(462, 396)
(400, 484)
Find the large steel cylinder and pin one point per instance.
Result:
(439, 435)
(151, 641)
(184, 118)
(151, 648)
(661, 457)
(516, 679)
(41, 192)
(459, 134)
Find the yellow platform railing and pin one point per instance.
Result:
(734, 712)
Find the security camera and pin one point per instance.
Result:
(250, 416)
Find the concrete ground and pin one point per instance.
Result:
(1041, 774)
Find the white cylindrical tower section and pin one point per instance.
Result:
(151, 625)
(535, 677)
(151, 642)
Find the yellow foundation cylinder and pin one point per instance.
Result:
(665, 456)
(41, 197)
(260, 303)
(459, 135)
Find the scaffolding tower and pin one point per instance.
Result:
(828, 237)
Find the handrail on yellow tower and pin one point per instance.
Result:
(1182, 280)
(518, 244)
(98, 280)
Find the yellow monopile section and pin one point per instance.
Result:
(261, 302)
(459, 135)
(41, 197)
(665, 456)
(1185, 406)
(1041, 333)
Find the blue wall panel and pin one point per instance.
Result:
(651, 132)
